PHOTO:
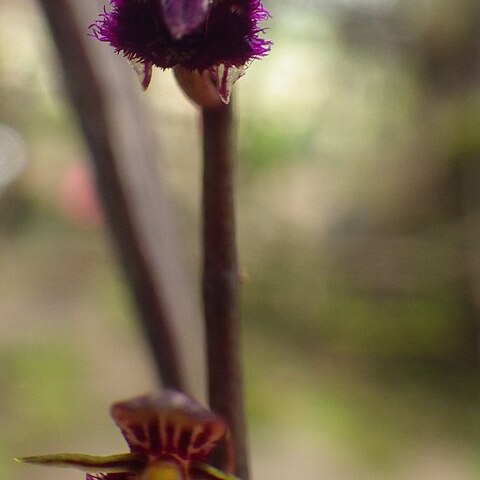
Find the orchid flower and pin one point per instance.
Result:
(170, 437)
(218, 36)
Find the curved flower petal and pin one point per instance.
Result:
(169, 424)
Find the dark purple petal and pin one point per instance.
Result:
(230, 34)
(136, 29)
(184, 16)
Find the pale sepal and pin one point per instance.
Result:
(224, 77)
(143, 71)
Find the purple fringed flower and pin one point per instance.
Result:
(221, 36)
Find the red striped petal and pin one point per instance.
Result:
(169, 424)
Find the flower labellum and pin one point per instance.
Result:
(219, 36)
(170, 437)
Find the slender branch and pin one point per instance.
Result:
(123, 153)
(220, 278)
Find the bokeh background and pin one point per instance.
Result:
(358, 207)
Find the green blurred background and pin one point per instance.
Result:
(358, 204)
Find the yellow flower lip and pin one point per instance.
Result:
(163, 470)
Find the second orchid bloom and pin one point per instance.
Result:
(170, 437)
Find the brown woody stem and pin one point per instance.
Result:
(220, 278)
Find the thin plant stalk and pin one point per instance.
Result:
(123, 158)
(220, 277)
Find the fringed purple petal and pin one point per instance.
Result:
(231, 35)
(136, 29)
(195, 34)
